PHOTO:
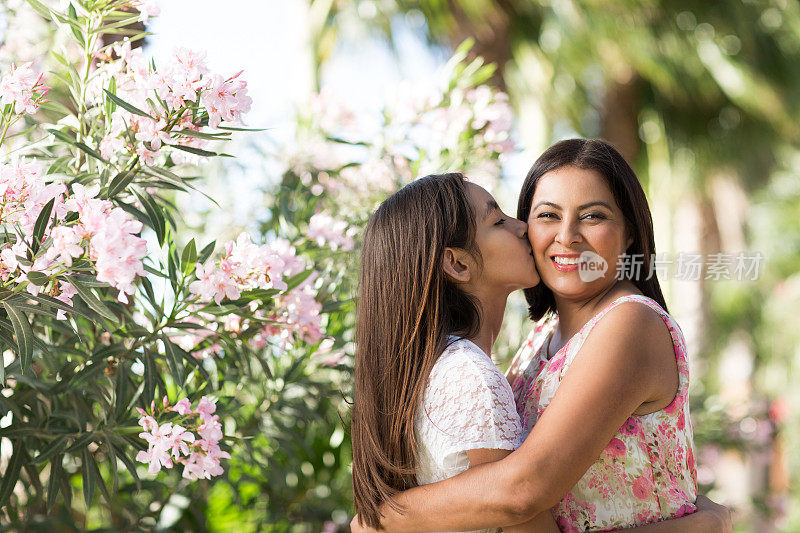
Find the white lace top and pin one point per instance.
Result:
(468, 405)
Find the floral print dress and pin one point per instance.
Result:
(647, 472)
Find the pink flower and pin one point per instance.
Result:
(168, 442)
(630, 427)
(66, 244)
(66, 294)
(178, 439)
(216, 284)
(244, 266)
(327, 231)
(642, 488)
(80, 196)
(616, 448)
(147, 9)
(204, 465)
(210, 430)
(146, 155)
(556, 363)
(111, 145)
(685, 509)
(118, 251)
(225, 100)
(183, 407)
(206, 407)
(160, 441)
(147, 422)
(19, 86)
(152, 132)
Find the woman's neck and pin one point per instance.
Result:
(492, 309)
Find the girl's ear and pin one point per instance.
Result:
(455, 264)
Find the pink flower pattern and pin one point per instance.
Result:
(647, 472)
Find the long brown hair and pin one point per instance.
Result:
(407, 306)
(603, 158)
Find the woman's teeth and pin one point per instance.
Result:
(567, 261)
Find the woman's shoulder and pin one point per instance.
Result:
(632, 331)
(634, 312)
(629, 315)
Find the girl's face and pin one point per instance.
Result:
(506, 258)
(577, 232)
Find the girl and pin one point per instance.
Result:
(438, 263)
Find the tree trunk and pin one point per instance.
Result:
(619, 123)
(491, 36)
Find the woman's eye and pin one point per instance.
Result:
(594, 216)
(546, 215)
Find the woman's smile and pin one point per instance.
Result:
(566, 262)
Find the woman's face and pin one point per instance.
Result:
(506, 259)
(577, 232)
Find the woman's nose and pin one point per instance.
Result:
(567, 233)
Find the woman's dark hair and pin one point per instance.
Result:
(407, 307)
(594, 154)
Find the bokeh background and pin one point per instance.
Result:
(701, 97)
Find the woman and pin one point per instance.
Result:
(438, 263)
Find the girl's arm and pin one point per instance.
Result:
(614, 374)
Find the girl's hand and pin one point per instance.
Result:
(720, 513)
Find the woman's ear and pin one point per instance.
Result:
(455, 264)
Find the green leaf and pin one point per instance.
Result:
(74, 24)
(174, 362)
(40, 8)
(202, 135)
(195, 151)
(112, 459)
(125, 105)
(98, 477)
(188, 257)
(173, 262)
(24, 333)
(128, 464)
(206, 252)
(58, 304)
(93, 301)
(90, 151)
(81, 442)
(175, 179)
(41, 224)
(61, 136)
(56, 447)
(297, 279)
(157, 221)
(111, 106)
(89, 479)
(53, 484)
(119, 183)
(149, 377)
(11, 475)
(231, 128)
(38, 278)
